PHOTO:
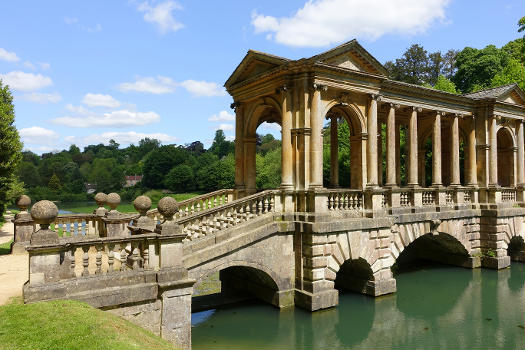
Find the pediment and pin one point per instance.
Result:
(513, 97)
(253, 64)
(353, 56)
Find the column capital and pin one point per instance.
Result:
(320, 87)
(395, 105)
(417, 109)
(375, 97)
(441, 113)
(283, 88)
(235, 105)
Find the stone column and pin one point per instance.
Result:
(239, 146)
(436, 151)
(380, 155)
(473, 170)
(286, 137)
(412, 148)
(249, 165)
(454, 150)
(372, 142)
(493, 152)
(391, 146)
(398, 154)
(334, 153)
(521, 155)
(316, 139)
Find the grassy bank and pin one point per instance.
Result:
(70, 325)
(5, 248)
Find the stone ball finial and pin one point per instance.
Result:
(113, 200)
(142, 204)
(44, 213)
(101, 199)
(168, 207)
(23, 202)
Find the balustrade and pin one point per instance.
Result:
(345, 200)
(508, 195)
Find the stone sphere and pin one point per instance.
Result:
(23, 202)
(142, 204)
(44, 212)
(113, 200)
(101, 198)
(168, 207)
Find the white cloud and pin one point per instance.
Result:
(8, 56)
(29, 65)
(225, 127)
(126, 137)
(222, 116)
(165, 85)
(159, 85)
(270, 126)
(203, 88)
(44, 65)
(99, 100)
(325, 22)
(120, 118)
(38, 135)
(22, 81)
(161, 15)
(39, 97)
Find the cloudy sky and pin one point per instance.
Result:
(84, 72)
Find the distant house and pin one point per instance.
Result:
(132, 180)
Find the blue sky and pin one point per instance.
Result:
(84, 72)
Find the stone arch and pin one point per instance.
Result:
(279, 283)
(349, 106)
(406, 234)
(264, 109)
(505, 159)
(513, 227)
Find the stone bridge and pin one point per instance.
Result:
(455, 194)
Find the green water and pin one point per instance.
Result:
(437, 307)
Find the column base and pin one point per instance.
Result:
(496, 263)
(316, 301)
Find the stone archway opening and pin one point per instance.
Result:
(505, 158)
(429, 249)
(343, 149)
(232, 285)
(516, 249)
(354, 276)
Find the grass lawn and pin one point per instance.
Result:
(123, 207)
(68, 325)
(5, 248)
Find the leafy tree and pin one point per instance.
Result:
(107, 175)
(516, 49)
(10, 145)
(443, 84)
(477, 68)
(28, 173)
(159, 162)
(412, 67)
(521, 24)
(220, 146)
(268, 169)
(196, 148)
(54, 183)
(514, 72)
(180, 179)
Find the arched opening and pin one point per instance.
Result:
(505, 158)
(516, 249)
(262, 147)
(343, 148)
(232, 285)
(354, 276)
(441, 248)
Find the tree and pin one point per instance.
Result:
(514, 72)
(10, 145)
(516, 49)
(521, 25)
(443, 84)
(412, 67)
(220, 146)
(54, 183)
(107, 175)
(28, 173)
(180, 179)
(477, 68)
(159, 162)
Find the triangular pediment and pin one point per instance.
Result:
(510, 93)
(253, 64)
(514, 96)
(351, 55)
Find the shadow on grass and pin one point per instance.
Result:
(5, 248)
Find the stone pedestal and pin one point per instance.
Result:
(316, 301)
(496, 263)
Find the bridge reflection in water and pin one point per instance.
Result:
(435, 306)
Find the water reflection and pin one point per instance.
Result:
(435, 308)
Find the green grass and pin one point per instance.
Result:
(5, 248)
(70, 325)
(123, 207)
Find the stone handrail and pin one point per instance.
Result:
(344, 199)
(198, 204)
(508, 194)
(227, 215)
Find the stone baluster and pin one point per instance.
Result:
(98, 258)
(72, 262)
(85, 261)
(111, 258)
(123, 259)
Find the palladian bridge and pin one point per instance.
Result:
(459, 200)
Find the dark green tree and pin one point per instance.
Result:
(10, 146)
(54, 183)
(159, 162)
(220, 146)
(107, 175)
(180, 179)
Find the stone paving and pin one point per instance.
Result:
(13, 268)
